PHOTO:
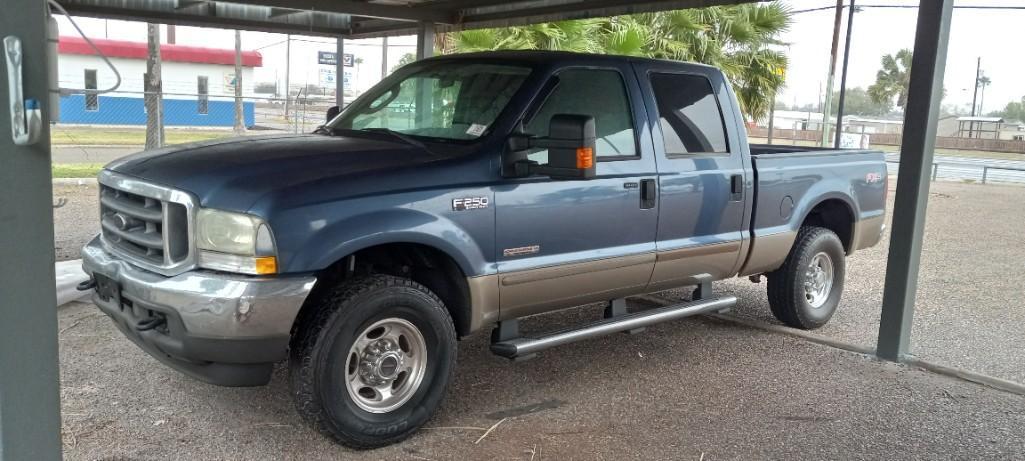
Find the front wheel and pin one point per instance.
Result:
(805, 292)
(372, 364)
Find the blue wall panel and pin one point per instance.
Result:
(123, 110)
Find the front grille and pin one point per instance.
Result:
(146, 224)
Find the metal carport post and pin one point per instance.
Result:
(916, 152)
(29, 383)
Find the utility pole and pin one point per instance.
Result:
(152, 88)
(975, 94)
(240, 126)
(288, 65)
(384, 58)
(843, 77)
(832, 72)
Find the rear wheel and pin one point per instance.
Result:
(805, 292)
(372, 364)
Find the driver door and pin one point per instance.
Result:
(562, 243)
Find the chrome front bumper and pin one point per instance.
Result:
(222, 328)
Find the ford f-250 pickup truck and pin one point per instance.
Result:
(464, 193)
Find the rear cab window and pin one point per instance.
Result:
(689, 115)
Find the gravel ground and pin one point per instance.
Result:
(78, 220)
(693, 389)
(969, 295)
(969, 310)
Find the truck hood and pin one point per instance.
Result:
(232, 174)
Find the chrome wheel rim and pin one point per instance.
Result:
(385, 365)
(818, 280)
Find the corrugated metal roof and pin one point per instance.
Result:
(368, 18)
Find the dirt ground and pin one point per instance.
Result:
(696, 389)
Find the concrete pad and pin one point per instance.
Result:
(69, 275)
(691, 389)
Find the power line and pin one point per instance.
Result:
(963, 7)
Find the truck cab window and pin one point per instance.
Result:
(688, 114)
(595, 92)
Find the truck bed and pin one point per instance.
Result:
(791, 180)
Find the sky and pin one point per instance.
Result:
(993, 35)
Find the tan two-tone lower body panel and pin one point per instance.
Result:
(682, 266)
(533, 291)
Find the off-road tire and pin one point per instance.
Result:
(786, 285)
(320, 347)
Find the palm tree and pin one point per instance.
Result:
(742, 40)
(892, 79)
(983, 82)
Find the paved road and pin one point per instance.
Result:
(91, 154)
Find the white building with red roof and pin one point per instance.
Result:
(198, 83)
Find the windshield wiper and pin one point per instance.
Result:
(400, 136)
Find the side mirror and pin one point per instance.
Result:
(570, 144)
(332, 112)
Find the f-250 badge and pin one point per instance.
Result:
(469, 203)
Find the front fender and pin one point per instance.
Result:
(327, 243)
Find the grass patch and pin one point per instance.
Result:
(93, 136)
(77, 170)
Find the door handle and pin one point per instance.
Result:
(736, 188)
(648, 194)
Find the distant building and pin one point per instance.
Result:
(800, 120)
(198, 83)
(981, 128)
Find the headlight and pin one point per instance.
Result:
(235, 242)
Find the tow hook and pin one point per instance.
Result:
(150, 323)
(86, 285)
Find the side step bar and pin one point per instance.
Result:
(522, 348)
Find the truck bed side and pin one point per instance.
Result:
(844, 190)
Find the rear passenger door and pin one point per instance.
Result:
(568, 242)
(702, 174)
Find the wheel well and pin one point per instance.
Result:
(835, 215)
(423, 264)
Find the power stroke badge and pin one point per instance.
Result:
(469, 203)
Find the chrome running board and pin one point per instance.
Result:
(522, 348)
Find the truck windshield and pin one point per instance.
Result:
(447, 101)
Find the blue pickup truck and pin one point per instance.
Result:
(464, 193)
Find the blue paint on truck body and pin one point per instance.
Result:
(328, 196)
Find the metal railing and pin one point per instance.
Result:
(982, 168)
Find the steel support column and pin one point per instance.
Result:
(29, 385)
(916, 154)
(340, 72)
(424, 40)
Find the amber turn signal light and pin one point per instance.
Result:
(585, 158)
(266, 265)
